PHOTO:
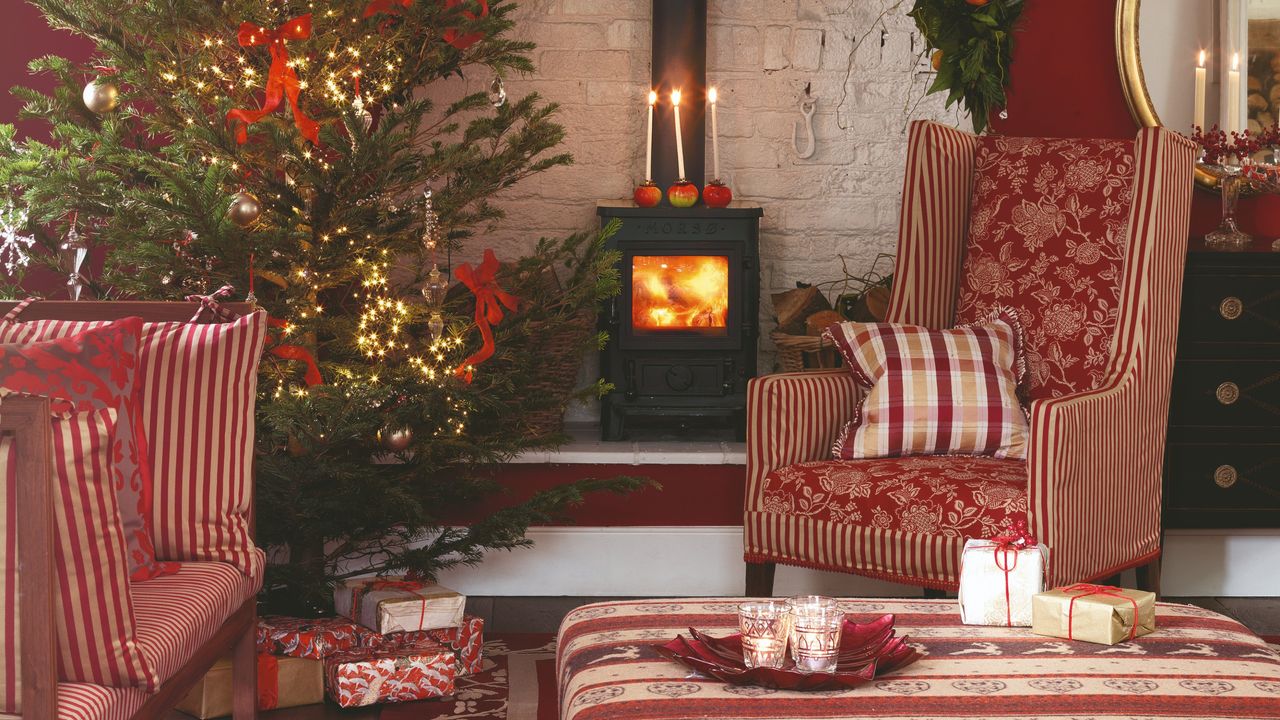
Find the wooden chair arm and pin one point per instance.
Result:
(24, 421)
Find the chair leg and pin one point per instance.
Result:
(1149, 576)
(244, 675)
(760, 579)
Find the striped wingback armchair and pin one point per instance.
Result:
(1085, 240)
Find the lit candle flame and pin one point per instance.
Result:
(653, 96)
(712, 95)
(1202, 58)
(675, 97)
(1235, 61)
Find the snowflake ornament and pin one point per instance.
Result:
(14, 248)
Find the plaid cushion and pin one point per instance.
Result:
(933, 391)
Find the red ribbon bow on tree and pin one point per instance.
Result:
(1087, 589)
(1016, 538)
(489, 301)
(450, 35)
(282, 81)
(286, 351)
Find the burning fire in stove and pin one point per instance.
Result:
(679, 291)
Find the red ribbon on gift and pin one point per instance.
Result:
(286, 351)
(1088, 589)
(210, 303)
(383, 584)
(282, 81)
(489, 301)
(1016, 538)
(268, 681)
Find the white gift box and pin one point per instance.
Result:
(389, 605)
(985, 568)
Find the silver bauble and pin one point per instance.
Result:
(395, 439)
(100, 96)
(244, 210)
(497, 92)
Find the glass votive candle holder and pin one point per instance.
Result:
(816, 625)
(765, 625)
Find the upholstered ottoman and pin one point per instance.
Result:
(1197, 665)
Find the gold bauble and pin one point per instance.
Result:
(100, 96)
(396, 439)
(244, 210)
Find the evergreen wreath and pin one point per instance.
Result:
(971, 43)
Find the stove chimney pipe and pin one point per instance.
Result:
(680, 63)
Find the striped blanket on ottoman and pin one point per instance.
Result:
(1198, 664)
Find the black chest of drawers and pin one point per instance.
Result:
(1222, 468)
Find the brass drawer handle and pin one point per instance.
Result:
(1227, 393)
(1225, 476)
(1230, 308)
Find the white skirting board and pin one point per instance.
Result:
(692, 561)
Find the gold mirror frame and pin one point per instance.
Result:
(1129, 61)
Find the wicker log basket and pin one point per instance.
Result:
(560, 345)
(803, 313)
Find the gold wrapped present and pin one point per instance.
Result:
(1093, 613)
(282, 682)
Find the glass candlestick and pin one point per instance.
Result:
(764, 625)
(816, 624)
(1229, 236)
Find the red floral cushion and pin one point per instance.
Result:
(95, 368)
(953, 496)
(933, 391)
(1047, 235)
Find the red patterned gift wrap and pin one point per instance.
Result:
(315, 638)
(393, 672)
(466, 641)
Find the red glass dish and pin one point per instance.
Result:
(867, 650)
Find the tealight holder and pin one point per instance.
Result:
(765, 626)
(815, 633)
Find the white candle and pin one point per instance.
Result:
(675, 104)
(648, 150)
(715, 136)
(1200, 85)
(1233, 95)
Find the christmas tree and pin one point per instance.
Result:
(301, 152)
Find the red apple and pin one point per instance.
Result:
(647, 195)
(716, 194)
(682, 194)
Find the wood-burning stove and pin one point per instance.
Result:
(683, 331)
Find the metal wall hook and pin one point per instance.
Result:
(807, 105)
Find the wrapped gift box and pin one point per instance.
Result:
(1094, 613)
(393, 604)
(309, 638)
(466, 641)
(998, 580)
(282, 682)
(391, 672)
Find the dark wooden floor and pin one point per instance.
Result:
(543, 614)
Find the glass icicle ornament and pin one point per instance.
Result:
(497, 92)
(436, 326)
(73, 252)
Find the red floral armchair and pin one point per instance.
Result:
(1085, 240)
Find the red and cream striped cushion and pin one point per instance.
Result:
(933, 391)
(198, 384)
(96, 631)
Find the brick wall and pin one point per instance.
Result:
(860, 59)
